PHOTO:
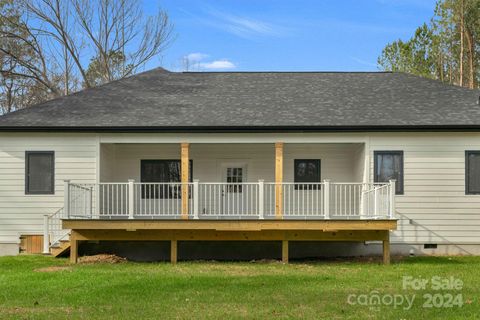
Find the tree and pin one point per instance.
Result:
(118, 32)
(18, 56)
(446, 49)
(59, 46)
(114, 67)
(414, 56)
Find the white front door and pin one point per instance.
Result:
(233, 193)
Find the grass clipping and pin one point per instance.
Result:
(101, 258)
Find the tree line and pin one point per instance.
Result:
(447, 48)
(50, 48)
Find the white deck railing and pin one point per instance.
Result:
(253, 200)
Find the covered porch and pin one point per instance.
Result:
(232, 181)
(230, 192)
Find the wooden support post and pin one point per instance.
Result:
(285, 251)
(173, 251)
(184, 178)
(73, 247)
(278, 180)
(386, 251)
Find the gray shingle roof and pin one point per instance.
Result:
(159, 99)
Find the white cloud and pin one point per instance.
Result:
(222, 64)
(196, 56)
(197, 61)
(241, 26)
(364, 62)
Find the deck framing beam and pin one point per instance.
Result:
(229, 225)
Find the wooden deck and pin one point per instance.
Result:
(230, 230)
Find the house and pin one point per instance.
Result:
(387, 160)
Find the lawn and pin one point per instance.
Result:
(214, 290)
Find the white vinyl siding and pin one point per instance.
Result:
(434, 207)
(20, 213)
(434, 172)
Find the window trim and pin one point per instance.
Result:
(314, 185)
(27, 176)
(467, 171)
(395, 152)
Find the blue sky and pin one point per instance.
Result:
(268, 35)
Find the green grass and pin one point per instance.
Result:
(215, 290)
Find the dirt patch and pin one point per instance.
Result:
(102, 258)
(27, 312)
(53, 269)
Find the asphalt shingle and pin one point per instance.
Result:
(159, 99)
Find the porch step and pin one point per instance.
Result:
(61, 248)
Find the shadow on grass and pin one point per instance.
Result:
(430, 260)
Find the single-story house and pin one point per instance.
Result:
(356, 161)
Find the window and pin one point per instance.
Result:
(307, 170)
(39, 172)
(472, 172)
(234, 176)
(162, 171)
(389, 166)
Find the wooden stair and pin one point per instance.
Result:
(61, 248)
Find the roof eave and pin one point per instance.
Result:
(236, 129)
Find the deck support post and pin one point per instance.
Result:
(386, 251)
(73, 247)
(46, 235)
(391, 212)
(261, 195)
(326, 199)
(184, 178)
(131, 198)
(278, 180)
(285, 251)
(173, 251)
